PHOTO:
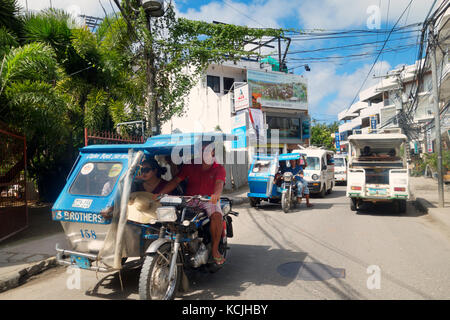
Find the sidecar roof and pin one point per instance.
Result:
(162, 144)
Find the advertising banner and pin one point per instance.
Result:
(239, 128)
(429, 141)
(277, 90)
(241, 97)
(257, 122)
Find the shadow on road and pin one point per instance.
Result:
(247, 265)
(388, 209)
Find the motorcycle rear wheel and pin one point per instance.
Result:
(153, 280)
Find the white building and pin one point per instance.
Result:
(379, 105)
(210, 106)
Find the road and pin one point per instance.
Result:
(324, 252)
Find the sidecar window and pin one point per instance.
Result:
(96, 178)
(261, 166)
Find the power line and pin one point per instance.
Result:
(376, 59)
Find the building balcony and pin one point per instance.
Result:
(346, 115)
(374, 109)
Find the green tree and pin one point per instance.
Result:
(176, 52)
(321, 135)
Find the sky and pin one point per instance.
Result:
(332, 84)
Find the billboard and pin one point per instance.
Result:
(277, 90)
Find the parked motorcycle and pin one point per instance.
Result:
(184, 243)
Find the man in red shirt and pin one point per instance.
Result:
(205, 179)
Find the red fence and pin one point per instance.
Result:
(13, 177)
(107, 137)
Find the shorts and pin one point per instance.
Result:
(302, 188)
(209, 207)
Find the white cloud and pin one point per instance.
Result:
(256, 14)
(324, 80)
(338, 14)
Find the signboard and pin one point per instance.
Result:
(337, 141)
(277, 90)
(241, 97)
(239, 128)
(373, 123)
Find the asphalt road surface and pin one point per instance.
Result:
(324, 252)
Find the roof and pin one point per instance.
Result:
(161, 144)
(380, 136)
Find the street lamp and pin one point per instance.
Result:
(154, 8)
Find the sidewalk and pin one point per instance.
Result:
(425, 193)
(32, 250)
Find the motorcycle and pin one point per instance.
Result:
(288, 191)
(184, 243)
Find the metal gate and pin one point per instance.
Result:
(13, 177)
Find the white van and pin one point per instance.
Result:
(319, 172)
(377, 170)
(340, 168)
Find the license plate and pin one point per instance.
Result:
(81, 262)
(380, 192)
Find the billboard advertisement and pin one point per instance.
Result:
(337, 141)
(277, 90)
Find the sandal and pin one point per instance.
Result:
(309, 205)
(219, 261)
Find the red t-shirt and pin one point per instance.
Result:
(201, 182)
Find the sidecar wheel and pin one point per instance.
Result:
(153, 280)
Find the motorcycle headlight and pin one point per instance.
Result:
(166, 214)
(287, 176)
(315, 177)
(226, 209)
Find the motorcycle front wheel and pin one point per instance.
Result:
(286, 201)
(154, 282)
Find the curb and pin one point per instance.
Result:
(17, 278)
(424, 206)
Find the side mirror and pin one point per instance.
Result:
(324, 167)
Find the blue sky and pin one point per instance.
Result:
(332, 86)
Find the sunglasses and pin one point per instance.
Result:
(145, 169)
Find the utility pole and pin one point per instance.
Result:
(150, 103)
(437, 125)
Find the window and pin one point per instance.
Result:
(227, 84)
(96, 178)
(288, 127)
(339, 162)
(214, 83)
(313, 163)
(261, 166)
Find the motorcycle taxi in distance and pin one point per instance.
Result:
(105, 225)
(266, 182)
